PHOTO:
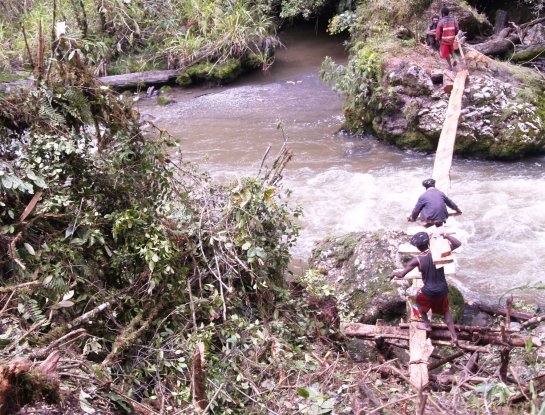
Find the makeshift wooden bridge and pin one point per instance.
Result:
(421, 343)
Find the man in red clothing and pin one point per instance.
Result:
(446, 31)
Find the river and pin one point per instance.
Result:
(352, 183)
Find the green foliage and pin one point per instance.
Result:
(341, 22)
(119, 36)
(359, 80)
(182, 260)
(316, 285)
(305, 8)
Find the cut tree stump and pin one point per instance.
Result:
(43, 378)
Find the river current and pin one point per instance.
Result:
(350, 183)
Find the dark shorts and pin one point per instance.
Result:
(438, 305)
(446, 50)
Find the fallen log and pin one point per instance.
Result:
(538, 385)
(367, 331)
(533, 321)
(497, 46)
(496, 310)
(469, 329)
(132, 80)
(528, 53)
(129, 80)
(43, 380)
(533, 22)
(446, 359)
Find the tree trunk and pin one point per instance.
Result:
(497, 46)
(501, 19)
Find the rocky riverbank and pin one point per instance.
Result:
(394, 97)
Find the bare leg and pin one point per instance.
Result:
(448, 61)
(425, 325)
(450, 324)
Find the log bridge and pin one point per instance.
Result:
(421, 343)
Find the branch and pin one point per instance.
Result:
(10, 288)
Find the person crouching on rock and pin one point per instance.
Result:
(430, 35)
(434, 294)
(432, 206)
(446, 31)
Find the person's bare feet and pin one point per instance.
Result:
(424, 326)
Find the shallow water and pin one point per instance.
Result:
(346, 183)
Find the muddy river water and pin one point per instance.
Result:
(351, 183)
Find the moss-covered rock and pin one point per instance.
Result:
(456, 302)
(359, 265)
(217, 73)
(163, 100)
(390, 92)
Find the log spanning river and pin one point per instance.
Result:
(351, 183)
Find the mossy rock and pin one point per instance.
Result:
(358, 265)
(163, 100)
(415, 140)
(456, 302)
(165, 89)
(220, 73)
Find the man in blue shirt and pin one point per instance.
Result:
(432, 206)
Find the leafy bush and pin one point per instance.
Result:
(99, 223)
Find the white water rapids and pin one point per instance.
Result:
(350, 184)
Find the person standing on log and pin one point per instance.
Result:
(430, 36)
(432, 206)
(434, 294)
(445, 34)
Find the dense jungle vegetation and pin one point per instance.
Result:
(119, 36)
(165, 291)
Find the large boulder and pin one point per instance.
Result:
(502, 118)
(394, 89)
(359, 265)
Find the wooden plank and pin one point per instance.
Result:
(420, 350)
(440, 250)
(445, 147)
(450, 269)
(411, 230)
(408, 249)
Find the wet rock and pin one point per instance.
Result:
(534, 35)
(359, 266)
(413, 78)
(482, 320)
(501, 118)
(503, 106)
